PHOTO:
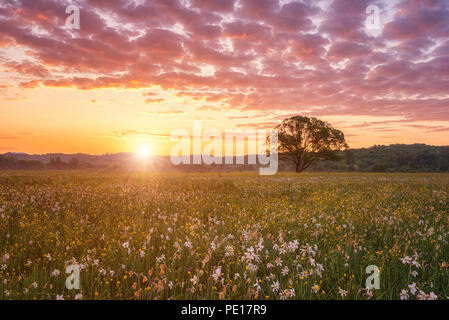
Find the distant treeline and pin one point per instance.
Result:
(392, 158)
(11, 163)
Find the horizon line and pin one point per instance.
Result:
(167, 155)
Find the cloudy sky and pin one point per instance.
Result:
(136, 70)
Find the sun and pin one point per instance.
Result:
(145, 152)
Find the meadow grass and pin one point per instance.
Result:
(223, 235)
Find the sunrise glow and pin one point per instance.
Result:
(139, 69)
(145, 152)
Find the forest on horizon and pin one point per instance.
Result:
(379, 158)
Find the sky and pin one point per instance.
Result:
(135, 71)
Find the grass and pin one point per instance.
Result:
(223, 236)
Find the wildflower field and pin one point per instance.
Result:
(223, 236)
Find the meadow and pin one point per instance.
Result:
(223, 235)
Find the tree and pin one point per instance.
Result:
(350, 159)
(379, 168)
(425, 159)
(306, 140)
(73, 163)
(56, 163)
(443, 164)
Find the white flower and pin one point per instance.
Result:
(79, 296)
(406, 260)
(285, 271)
(217, 273)
(316, 288)
(411, 260)
(404, 295)
(259, 246)
(342, 292)
(421, 295)
(55, 273)
(287, 293)
(275, 286)
(188, 244)
(319, 269)
(293, 245)
(34, 285)
(5, 258)
(252, 267)
(368, 293)
(292, 292)
(250, 255)
(229, 251)
(414, 273)
(125, 245)
(194, 280)
(59, 297)
(278, 261)
(284, 295)
(433, 296)
(257, 286)
(413, 288)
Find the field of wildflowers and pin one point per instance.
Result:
(223, 236)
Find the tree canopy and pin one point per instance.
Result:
(305, 140)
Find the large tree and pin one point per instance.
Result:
(305, 140)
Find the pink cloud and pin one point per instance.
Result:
(260, 55)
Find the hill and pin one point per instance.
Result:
(379, 158)
(392, 158)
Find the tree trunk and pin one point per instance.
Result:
(298, 166)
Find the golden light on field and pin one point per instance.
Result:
(146, 234)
